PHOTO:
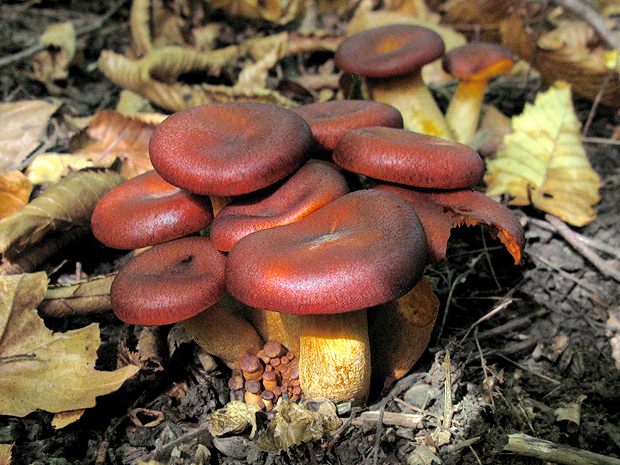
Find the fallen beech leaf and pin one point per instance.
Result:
(41, 369)
(62, 419)
(80, 298)
(544, 162)
(63, 206)
(440, 211)
(565, 54)
(114, 136)
(15, 191)
(22, 128)
(294, 424)
(48, 168)
(53, 63)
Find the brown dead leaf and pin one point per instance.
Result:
(6, 454)
(479, 18)
(277, 11)
(565, 54)
(114, 136)
(41, 369)
(66, 205)
(62, 419)
(80, 298)
(15, 189)
(22, 130)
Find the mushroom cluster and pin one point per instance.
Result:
(296, 245)
(390, 59)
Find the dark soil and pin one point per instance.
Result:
(547, 347)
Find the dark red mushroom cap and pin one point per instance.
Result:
(312, 186)
(387, 51)
(363, 249)
(169, 282)
(230, 148)
(477, 61)
(146, 210)
(329, 121)
(440, 211)
(405, 157)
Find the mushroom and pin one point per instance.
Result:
(315, 184)
(230, 149)
(146, 210)
(329, 121)
(361, 250)
(474, 65)
(440, 211)
(405, 157)
(183, 280)
(391, 59)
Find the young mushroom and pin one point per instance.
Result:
(230, 149)
(182, 280)
(391, 59)
(146, 210)
(361, 250)
(474, 65)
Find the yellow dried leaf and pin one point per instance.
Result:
(48, 168)
(41, 369)
(15, 191)
(62, 419)
(22, 128)
(544, 162)
(6, 454)
(66, 205)
(235, 417)
(53, 63)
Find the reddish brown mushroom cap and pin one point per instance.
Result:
(170, 282)
(329, 121)
(405, 157)
(390, 50)
(363, 249)
(440, 211)
(477, 61)
(230, 149)
(308, 189)
(146, 210)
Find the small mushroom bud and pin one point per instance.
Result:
(268, 398)
(274, 349)
(251, 366)
(270, 380)
(252, 392)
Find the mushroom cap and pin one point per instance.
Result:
(230, 148)
(440, 211)
(477, 61)
(169, 282)
(146, 210)
(405, 157)
(387, 51)
(363, 249)
(312, 186)
(329, 121)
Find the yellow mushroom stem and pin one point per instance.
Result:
(399, 332)
(409, 95)
(223, 334)
(334, 357)
(273, 326)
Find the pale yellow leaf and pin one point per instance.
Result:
(48, 168)
(40, 369)
(544, 161)
(62, 419)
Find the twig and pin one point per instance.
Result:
(424, 412)
(547, 451)
(506, 300)
(524, 368)
(39, 47)
(408, 420)
(569, 235)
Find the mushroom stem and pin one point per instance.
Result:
(223, 334)
(273, 326)
(463, 114)
(334, 358)
(414, 100)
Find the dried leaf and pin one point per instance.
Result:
(6, 454)
(48, 168)
(62, 419)
(15, 191)
(236, 417)
(544, 162)
(63, 206)
(278, 11)
(53, 63)
(566, 55)
(114, 136)
(40, 369)
(294, 424)
(80, 298)
(22, 128)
